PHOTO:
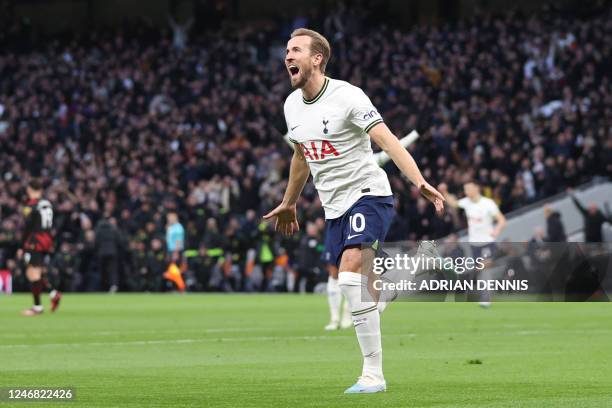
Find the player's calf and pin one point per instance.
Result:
(366, 320)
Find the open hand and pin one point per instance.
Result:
(434, 196)
(286, 219)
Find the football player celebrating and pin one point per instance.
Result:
(331, 123)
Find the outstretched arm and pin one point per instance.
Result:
(172, 22)
(285, 213)
(451, 200)
(387, 141)
(578, 205)
(298, 175)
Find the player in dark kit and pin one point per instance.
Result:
(37, 247)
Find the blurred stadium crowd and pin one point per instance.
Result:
(127, 125)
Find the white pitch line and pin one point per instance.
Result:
(128, 332)
(286, 338)
(173, 341)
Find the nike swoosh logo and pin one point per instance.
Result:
(353, 236)
(295, 127)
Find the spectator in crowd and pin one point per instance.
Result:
(555, 231)
(594, 219)
(87, 262)
(108, 250)
(175, 237)
(155, 265)
(308, 267)
(542, 256)
(180, 32)
(63, 273)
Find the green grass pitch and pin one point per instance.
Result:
(201, 350)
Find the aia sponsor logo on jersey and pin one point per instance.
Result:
(476, 220)
(318, 150)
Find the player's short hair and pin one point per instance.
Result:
(35, 185)
(318, 44)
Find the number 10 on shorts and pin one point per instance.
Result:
(357, 222)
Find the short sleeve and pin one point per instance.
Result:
(362, 114)
(462, 203)
(493, 209)
(290, 136)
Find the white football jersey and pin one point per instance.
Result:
(331, 130)
(480, 217)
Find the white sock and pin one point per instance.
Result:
(384, 298)
(334, 298)
(366, 320)
(290, 282)
(346, 311)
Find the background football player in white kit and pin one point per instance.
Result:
(331, 123)
(339, 312)
(485, 222)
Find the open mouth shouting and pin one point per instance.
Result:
(294, 70)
